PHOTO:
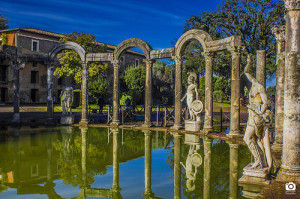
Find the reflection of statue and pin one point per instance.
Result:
(193, 161)
(194, 105)
(257, 133)
(67, 100)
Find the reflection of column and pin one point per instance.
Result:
(279, 32)
(261, 67)
(116, 102)
(148, 148)
(208, 122)
(148, 93)
(290, 168)
(234, 166)
(177, 166)
(235, 92)
(84, 94)
(116, 154)
(16, 82)
(207, 167)
(50, 69)
(178, 93)
(83, 155)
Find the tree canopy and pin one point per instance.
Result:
(3, 23)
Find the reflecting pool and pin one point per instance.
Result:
(71, 162)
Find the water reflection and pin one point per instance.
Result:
(197, 167)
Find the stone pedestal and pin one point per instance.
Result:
(16, 118)
(192, 125)
(255, 176)
(191, 139)
(67, 119)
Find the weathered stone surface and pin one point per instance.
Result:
(178, 92)
(224, 44)
(116, 103)
(99, 57)
(261, 67)
(162, 53)
(192, 125)
(70, 46)
(84, 94)
(148, 93)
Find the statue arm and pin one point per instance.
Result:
(183, 98)
(264, 99)
(247, 69)
(196, 91)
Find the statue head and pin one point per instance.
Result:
(192, 77)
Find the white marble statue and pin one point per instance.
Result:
(257, 133)
(194, 105)
(67, 100)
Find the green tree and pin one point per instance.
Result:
(135, 77)
(98, 86)
(70, 63)
(3, 23)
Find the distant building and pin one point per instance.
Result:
(33, 77)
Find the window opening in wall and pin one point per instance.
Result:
(3, 95)
(34, 77)
(123, 60)
(34, 64)
(35, 46)
(3, 73)
(137, 61)
(34, 95)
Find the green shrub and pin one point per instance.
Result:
(219, 96)
(124, 97)
(4, 39)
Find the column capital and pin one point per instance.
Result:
(235, 50)
(208, 55)
(116, 63)
(279, 32)
(292, 4)
(149, 62)
(177, 59)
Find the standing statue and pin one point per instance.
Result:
(257, 133)
(194, 105)
(67, 95)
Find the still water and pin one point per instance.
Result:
(69, 162)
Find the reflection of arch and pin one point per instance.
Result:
(200, 35)
(131, 43)
(68, 46)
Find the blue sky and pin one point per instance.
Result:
(111, 21)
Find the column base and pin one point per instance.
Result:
(208, 129)
(84, 123)
(233, 134)
(276, 147)
(177, 126)
(115, 123)
(288, 175)
(148, 193)
(16, 118)
(147, 124)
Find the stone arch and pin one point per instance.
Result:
(195, 34)
(68, 46)
(130, 43)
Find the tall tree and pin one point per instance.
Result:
(250, 19)
(3, 23)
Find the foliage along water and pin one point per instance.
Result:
(68, 162)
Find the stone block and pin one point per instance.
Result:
(191, 139)
(67, 119)
(192, 125)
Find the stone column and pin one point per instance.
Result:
(261, 67)
(234, 168)
(16, 83)
(279, 32)
(84, 95)
(148, 93)
(290, 167)
(116, 155)
(148, 156)
(83, 155)
(208, 122)
(116, 101)
(177, 166)
(235, 93)
(178, 93)
(50, 69)
(207, 167)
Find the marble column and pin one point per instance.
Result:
(84, 95)
(116, 101)
(234, 168)
(148, 156)
(207, 167)
(178, 93)
(261, 67)
(83, 155)
(208, 122)
(279, 32)
(290, 167)
(235, 93)
(177, 166)
(148, 93)
(16, 88)
(116, 155)
(50, 108)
